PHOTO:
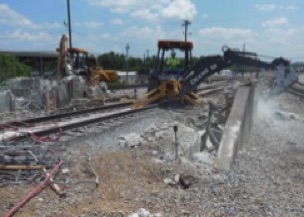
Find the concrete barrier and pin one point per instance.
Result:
(6, 102)
(237, 128)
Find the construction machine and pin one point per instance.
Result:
(78, 61)
(181, 83)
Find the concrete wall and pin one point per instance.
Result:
(237, 128)
(6, 102)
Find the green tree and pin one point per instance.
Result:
(111, 60)
(10, 67)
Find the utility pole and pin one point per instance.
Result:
(244, 56)
(148, 54)
(69, 23)
(185, 24)
(127, 58)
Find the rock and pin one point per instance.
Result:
(65, 171)
(122, 143)
(134, 215)
(130, 140)
(143, 213)
(169, 181)
(204, 157)
(154, 153)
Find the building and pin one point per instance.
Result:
(40, 61)
(128, 77)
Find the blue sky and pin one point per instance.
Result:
(273, 28)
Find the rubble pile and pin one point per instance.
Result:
(20, 164)
(162, 165)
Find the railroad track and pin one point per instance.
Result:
(47, 125)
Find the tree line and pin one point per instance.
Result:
(10, 67)
(117, 61)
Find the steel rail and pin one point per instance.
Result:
(52, 130)
(20, 123)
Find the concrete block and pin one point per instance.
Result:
(77, 87)
(236, 129)
(64, 94)
(6, 104)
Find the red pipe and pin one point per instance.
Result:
(36, 190)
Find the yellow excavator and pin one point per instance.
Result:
(78, 61)
(182, 82)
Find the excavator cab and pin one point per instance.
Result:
(166, 82)
(85, 64)
(162, 71)
(81, 62)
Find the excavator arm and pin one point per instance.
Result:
(204, 68)
(207, 66)
(184, 85)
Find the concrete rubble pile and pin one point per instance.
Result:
(24, 163)
(265, 179)
(36, 94)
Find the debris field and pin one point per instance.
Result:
(145, 164)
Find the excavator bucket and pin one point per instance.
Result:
(193, 99)
(150, 97)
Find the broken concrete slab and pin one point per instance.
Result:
(7, 102)
(130, 140)
(237, 128)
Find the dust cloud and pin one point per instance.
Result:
(265, 109)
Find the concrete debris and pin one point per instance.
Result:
(25, 162)
(183, 181)
(266, 180)
(34, 94)
(9, 135)
(7, 100)
(144, 213)
(204, 157)
(169, 181)
(130, 140)
(65, 171)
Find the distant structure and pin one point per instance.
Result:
(38, 60)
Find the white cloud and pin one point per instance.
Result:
(205, 16)
(11, 17)
(121, 5)
(292, 7)
(106, 36)
(20, 35)
(275, 22)
(117, 21)
(284, 36)
(273, 7)
(226, 33)
(265, 7)
(144, 33)
(285, 42)
(182, 9)
(89, 24)
(151, 10)
(146, 14)
(92, 24)
(46, 25)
